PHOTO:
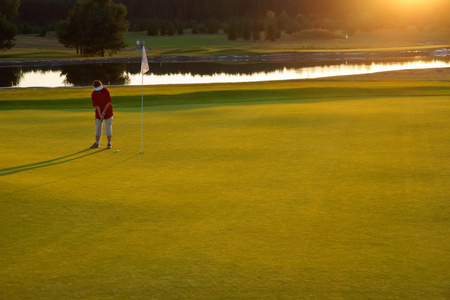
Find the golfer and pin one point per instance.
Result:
(101, 100)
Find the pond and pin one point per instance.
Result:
(201, 72)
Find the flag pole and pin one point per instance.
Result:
(144, 69)
(142, 115)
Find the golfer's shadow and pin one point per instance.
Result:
(49, 163)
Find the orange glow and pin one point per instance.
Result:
(415, 5)
(413, 2)
(410, 12)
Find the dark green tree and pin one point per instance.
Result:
(232, 33)
(246, 30)
(8, 14)
(171, 28)
(303, 21)
(212, 26)
(180, 29)
(163, 28)
(94, 27)
(270, 26)
(69, 34)
(271, 34)
(194, 29)
(282, 20)
(152, 29)
(43, 31)
(256, 31)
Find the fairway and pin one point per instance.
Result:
(287, 190)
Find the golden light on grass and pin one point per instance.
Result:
(318, 189)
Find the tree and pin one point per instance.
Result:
(152, 29)
(256, 31)
(171, 28)
(194, 29)
(303, 21)
(163, 28)
(94, 26)
(180, 29)
(232, 31)
(212, 26)
(270, 26)
(282, 20)
(8, 13)
(246, 30)
(271, 34)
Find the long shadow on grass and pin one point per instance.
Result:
(49, 163)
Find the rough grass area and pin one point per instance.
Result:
(321, 189)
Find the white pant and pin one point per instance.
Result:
(108, 126)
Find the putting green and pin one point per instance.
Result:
(326, 198)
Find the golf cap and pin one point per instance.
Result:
(98, 86)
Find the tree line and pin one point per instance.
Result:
(35, 14)
(247, 19)
(8, 16)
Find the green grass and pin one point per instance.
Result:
(220, 93)
(306, 189)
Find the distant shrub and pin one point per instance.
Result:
(42, 32)
(202, 28)
(152, 28)
(171, 29)
(317, 33)
(180, 28)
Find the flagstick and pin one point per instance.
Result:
(142, 115)
(144, 69)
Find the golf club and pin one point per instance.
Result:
(101, 134)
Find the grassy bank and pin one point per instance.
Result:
(303, 189)
(29, 47)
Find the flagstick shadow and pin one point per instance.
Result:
(48, 163)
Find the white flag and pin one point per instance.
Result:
(144, 65)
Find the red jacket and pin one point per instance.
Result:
(101, 98)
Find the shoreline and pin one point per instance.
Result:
(442, 53)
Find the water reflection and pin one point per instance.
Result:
(184, 73)
(10, 76)
(287, 73)
(82, 75)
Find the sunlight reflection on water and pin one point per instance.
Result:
(55, 78)
(287, 74)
